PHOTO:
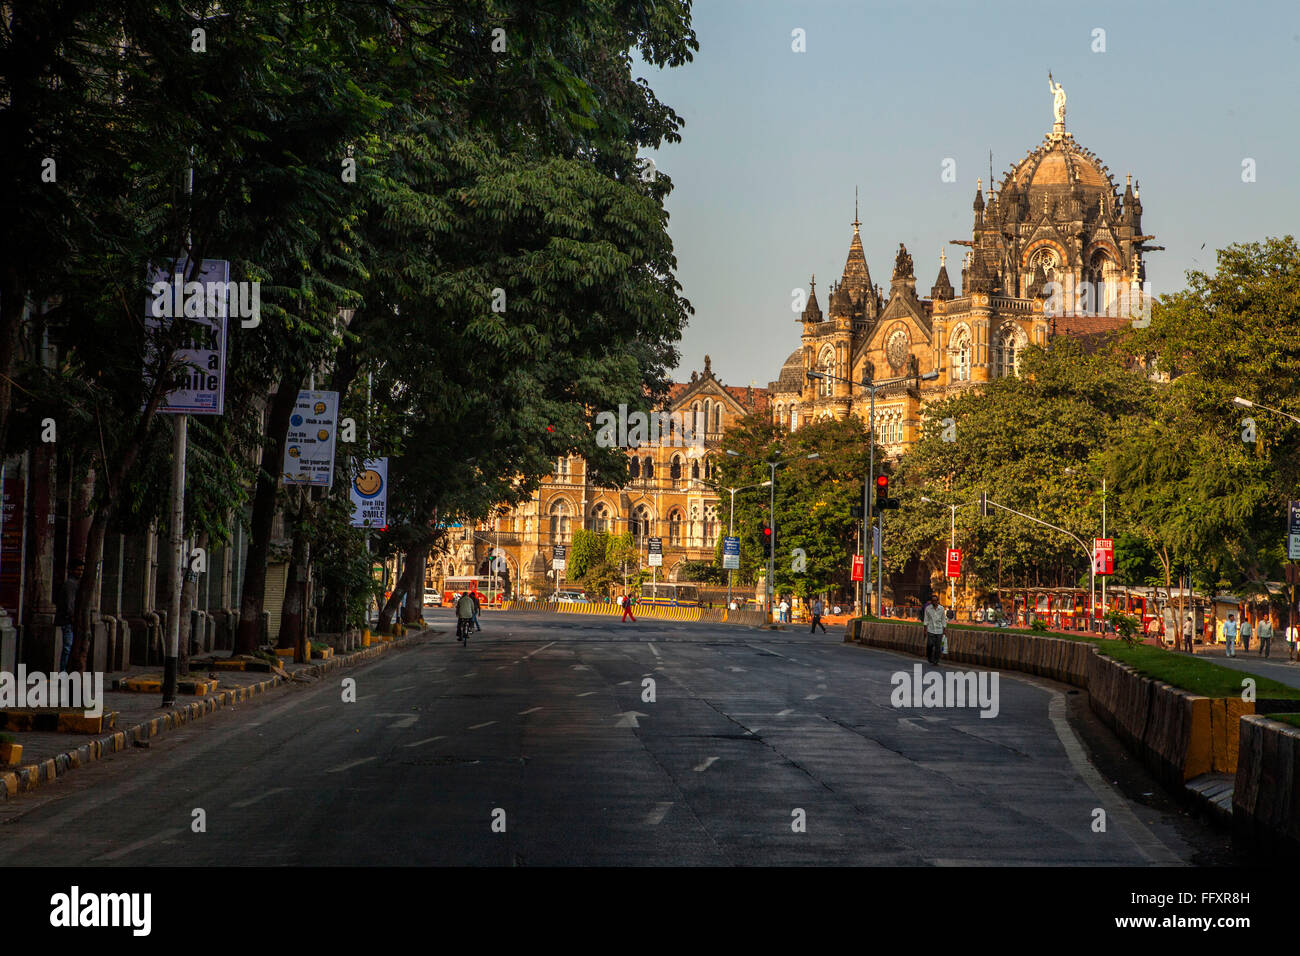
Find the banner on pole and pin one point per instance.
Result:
(1103, 555)
(309, 445)
(203, 304)
(655, 552)
(954, 562)
(859, 567)
(369, 494)
(559, 558)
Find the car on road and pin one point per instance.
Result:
(570, 597)
(432, 598)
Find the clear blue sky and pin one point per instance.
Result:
(775, 141)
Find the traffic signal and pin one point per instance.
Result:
(984, 505)
(883, 501)
(765, 536)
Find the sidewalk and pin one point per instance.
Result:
(139, 715)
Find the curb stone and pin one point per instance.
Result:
(27, 778)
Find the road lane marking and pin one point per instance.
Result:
(398, 690)
(530, 710)
(261, 796)
(538, 651)
(403, 723)
(812, 696)
(655, 816)
(470, 674)
(786, 713)
(486, 723)
(706, 764)
(427, 740)
(587, 694)
(349, 766)
(653, 650)
(140, 844)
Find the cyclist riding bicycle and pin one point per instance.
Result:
(464, 616)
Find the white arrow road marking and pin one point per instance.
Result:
(628, 718)
(427, 740)
(785, 713)
(261, 796)
(403, 723)
(486, 723)
(350, 765)
(708, 762)
(655, 816)
(530, 710)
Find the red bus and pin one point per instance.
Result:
(489, 591)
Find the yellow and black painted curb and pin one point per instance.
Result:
(153, 684)
(55, 721)
(27, 778)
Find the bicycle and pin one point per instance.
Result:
(463, 626)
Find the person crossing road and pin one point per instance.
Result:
(936, 622)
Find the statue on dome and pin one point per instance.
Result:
(902, 263)
(1058, 99)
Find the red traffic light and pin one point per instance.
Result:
(767, 532)
(882, 484)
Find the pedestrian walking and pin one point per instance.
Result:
(1187, 634)
(1244, 634)
(784, 616)
(65, 610)
(936, 622)
(626, 601)
(474, 596)
(1230, 635)
(818, 609)
(1265, 634)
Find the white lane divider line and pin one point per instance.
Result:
(653, 650)
(165, 834)
(587, 694)
(538, 651)
(351, 764)
(398, 690)
(530, 710)
(785, 713)
(706, 764)
(812, 696)
(486, 723)
(427, 740)
(656, 816)
(261, 796)
(403, 722)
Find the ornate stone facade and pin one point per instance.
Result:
(666, 497)
(1058, 218)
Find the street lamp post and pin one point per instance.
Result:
(952, 543)
(771, 554)
(872, 388)
(731, 531)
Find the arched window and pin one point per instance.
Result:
(559, 521)
(675, 527)
(959, 351)
(600, 518)
(826, 365)
(675, 468)
(640, 523)
(1006, 354)
(794, 418)
(780, 415)
(562, 468)
(648, 467)
(710, 525)
(708, 413)
(697, 422)
(634, 468)
(717, 418)
(695, 470)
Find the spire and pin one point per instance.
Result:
(942, 289)
(856, 277)
(856, 221)
(812, 312)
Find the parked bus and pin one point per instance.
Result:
(489, 590)
(670, 595)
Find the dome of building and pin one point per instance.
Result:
(792, 373)
(1059, 161)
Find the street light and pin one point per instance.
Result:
(952, 543)
(872, 387)
(731, 528)
(1071, 471)
(771, 557)
(1247, 403)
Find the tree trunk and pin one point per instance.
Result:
(292, 630)
(391, 605)
(416, 558)
(259, 532)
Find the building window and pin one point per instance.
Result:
(559, 522)
(695, 470)
(710, 525)
(717, 418)
(675, 527)
(640, 523)
(562, 468)
(959, 350)
(1007, 353)
(600, 518)
(634, 468)
(675, 469)
(826, 386)
(648, 468)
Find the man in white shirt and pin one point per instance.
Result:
(936, 621)
(785, 611)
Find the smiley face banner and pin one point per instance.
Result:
(309, 445)
(369, 493)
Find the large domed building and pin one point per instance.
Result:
(1058, 224)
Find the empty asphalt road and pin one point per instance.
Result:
(538, 744)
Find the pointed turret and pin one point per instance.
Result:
(942, 289)
(857, 277)
(978, 204)
(812, 312)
